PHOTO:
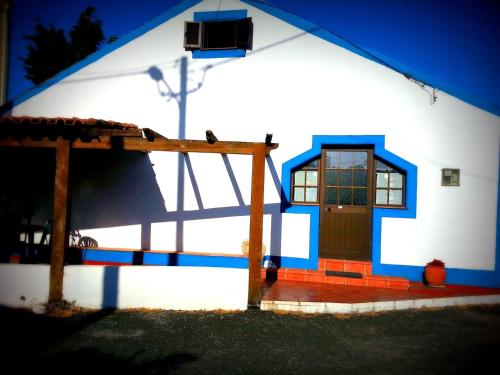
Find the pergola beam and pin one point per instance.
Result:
(142, 144)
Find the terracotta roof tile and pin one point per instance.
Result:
(28, 120)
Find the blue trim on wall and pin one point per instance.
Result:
(165, 259)
(413, 273)
(108, 48)
(107, 256)
(378, 143)
(218, 53)
(223, 15)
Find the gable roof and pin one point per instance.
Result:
(437, 59)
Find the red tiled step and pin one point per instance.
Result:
(362, 267)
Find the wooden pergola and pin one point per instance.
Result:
(64, 134)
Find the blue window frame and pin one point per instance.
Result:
(223, 17)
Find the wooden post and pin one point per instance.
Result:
(59, 228)
(256, 221)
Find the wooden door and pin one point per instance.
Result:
(346, 204)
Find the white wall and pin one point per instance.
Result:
(292, 85)
(24, 285)
(158, 287)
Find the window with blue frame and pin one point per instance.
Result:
(305, 183)
(389, 185)
(219, 34)
(389, 188)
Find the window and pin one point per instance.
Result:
(347, 181)
(346, 178)
(389, 185)
(218, 35)
(305, 183)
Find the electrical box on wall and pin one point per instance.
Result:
(450, 177)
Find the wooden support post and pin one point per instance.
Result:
(256, 221)
(59, 228)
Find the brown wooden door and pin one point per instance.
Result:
(346, 204)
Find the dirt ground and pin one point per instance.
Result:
(438, 341)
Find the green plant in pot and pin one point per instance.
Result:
(435, 273)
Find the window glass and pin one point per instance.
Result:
(312, 178)
(360, 178)
(360, 160)
(396, 180)
(359, 197)
(396, 197)
(381, 196)
(382, 180)
(345, 196)
(389, 185)
(345, 177)
(332, 178)
(300, 177)
(311, 194)
(298, 194)
(331, 195)
(305, 183)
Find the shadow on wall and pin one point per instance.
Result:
(108, 189)
(115, 188)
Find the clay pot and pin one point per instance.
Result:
(434, 275)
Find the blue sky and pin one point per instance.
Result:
(451, 44)
(118, 17)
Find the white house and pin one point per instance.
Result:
(369, 168)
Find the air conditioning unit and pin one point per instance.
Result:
(192, 35)
(218, 35)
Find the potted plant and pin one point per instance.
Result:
(435, 273)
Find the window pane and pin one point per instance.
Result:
(338, 159)
(360, 197)
(382, 167)
(360, 178)
(311, 194)
(346, 159)
(298, 194)
(345, 177)
(312, 165)
(331, 195)
(396, 180)
(382, 180)
(331, 178)
(300, 178)
(345, 196)
(360, 160)
(312, 178)
(396, 197)
(381, 196)
(332, 159)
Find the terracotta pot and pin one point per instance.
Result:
(434, 276)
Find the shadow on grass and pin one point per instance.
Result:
(29, 341)
(24, 331)
(88, 361)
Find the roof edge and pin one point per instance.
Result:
(107, 49)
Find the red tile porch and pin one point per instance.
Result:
(314, 297)
(282, 290)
